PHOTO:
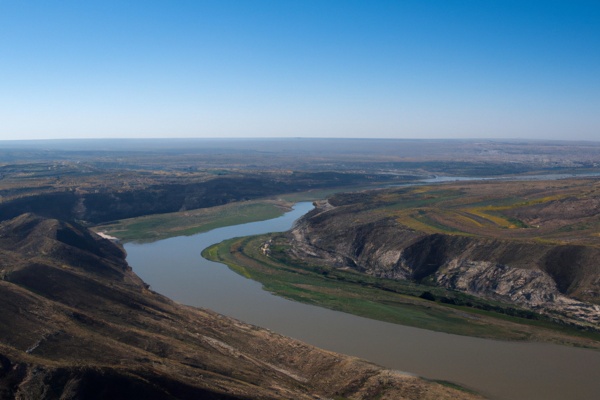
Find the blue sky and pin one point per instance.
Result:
(289, 68)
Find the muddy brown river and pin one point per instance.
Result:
(497, 369)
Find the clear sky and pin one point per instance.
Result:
(311, 68)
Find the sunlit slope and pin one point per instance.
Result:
(530, 243)
(560, 212)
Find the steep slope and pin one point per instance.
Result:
(76, 322)
(365, 232)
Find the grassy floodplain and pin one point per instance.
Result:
(162, 226)
(154, 227)
(387, 300)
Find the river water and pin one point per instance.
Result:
(497, 369)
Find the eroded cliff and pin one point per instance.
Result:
(363, 232)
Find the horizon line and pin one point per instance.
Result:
(519, 139)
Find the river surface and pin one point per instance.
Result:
(497, 369)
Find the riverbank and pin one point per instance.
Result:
(150, 228)
(78, 323)
(262, 258)
(498, 369)
(185, 223)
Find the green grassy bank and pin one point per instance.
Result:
(392, 301)
(161, 226)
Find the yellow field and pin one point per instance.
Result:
(516, 210)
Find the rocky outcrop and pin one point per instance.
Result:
(533, 289)
(561, 281)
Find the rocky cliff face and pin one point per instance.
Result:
(562, 281)
(76, 322)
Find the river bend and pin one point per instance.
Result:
(497, 369)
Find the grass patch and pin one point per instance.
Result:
(161, 226)
(494, 218)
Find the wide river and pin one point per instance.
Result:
(497, 369)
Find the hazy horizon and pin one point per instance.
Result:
(176, 139)
(439, 69)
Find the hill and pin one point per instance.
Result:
(532, 244)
